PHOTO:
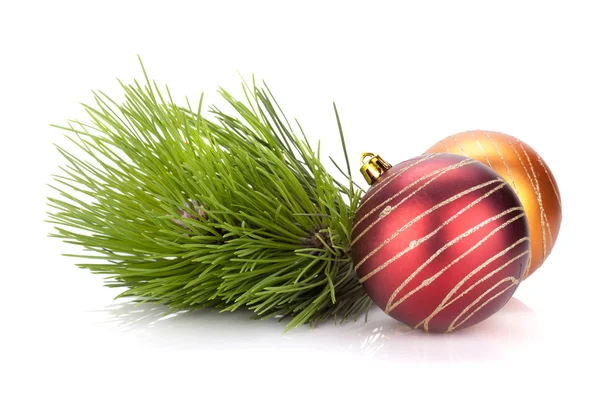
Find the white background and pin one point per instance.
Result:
(404, 75)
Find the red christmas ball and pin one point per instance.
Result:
(440, 242)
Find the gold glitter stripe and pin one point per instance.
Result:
(533, 187)
(447, 302)
(538, 193)
(503, 161)
(528, 267)
(436, 174)
(459, 146)
(445, 145)
(482, 150)
(415, 243)
(514, 281)
(384, 181)
(426, 282)
(522, 163)
(429, 211)
(542, 163)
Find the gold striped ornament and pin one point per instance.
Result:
(439, 242)
(526, 172)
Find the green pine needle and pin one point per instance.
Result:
(227, 212)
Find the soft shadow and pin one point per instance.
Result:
(498, 337)
(185, 329)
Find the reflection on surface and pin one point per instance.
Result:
(510, 328)
(382, 337)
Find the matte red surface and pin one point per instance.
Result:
(475, 297)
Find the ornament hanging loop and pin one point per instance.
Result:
(373, 167)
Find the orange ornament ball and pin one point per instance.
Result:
(526, 172)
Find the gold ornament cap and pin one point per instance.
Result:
(372, 168)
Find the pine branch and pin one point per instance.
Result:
(225, 212)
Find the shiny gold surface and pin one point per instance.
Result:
(373, 168)
(526, 173)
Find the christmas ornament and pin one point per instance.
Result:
(220, 210)
(527, 174)
(439, 242)
(211, 209)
